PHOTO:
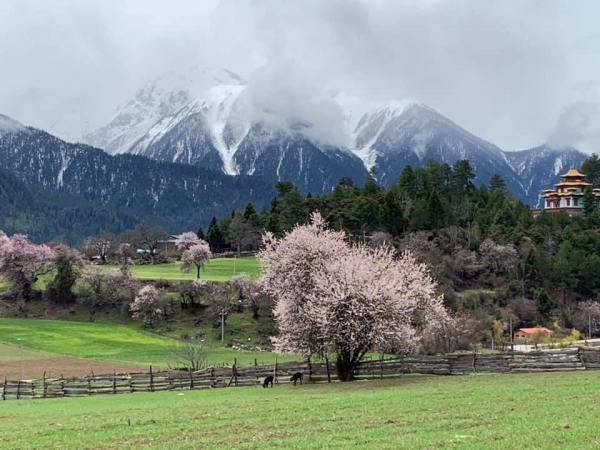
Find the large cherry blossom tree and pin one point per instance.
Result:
(336, 298)
(22, 262)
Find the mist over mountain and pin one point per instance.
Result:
(212, 119)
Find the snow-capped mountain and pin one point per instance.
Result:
(157, 107)
(540, 167)
(391, 139)
(208, 118)
(207, 123)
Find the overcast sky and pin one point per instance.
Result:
(514, 72)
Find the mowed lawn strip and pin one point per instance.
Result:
(524, 411)
(126, 344)
(217, 269)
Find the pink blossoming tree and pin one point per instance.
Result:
(195, 256)
(336, 298)
(146, 306)
(21, 262)
(186, 240)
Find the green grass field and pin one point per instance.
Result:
(9, 352)
(218, 269)
(109, 342)
(524, 412)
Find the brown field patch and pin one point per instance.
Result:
(62, 365)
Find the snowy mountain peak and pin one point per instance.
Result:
(157, 100)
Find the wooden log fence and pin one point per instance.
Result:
(582, 358)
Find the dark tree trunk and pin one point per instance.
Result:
(347, 362)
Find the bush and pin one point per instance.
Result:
(100, 289)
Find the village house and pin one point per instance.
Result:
(568, 194)
(522, 335)
(167, 247)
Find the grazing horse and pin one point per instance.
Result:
(297, 376)
(268, 380)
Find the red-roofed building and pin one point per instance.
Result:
(521, 335)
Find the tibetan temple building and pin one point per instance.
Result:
(568, 195)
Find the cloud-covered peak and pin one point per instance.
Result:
(8, 125)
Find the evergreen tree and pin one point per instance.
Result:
(371, 188)
(497, 182)
(462, 178)
(214, 236)
(249, 212)
(392, 217)
(200, 233)
(407, 182)
(435, 210)
(590, 203)
(591, 169)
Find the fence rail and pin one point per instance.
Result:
(582, 358)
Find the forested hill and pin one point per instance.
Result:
(43, 217)
(492, 258)
(176, 196)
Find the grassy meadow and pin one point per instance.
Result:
(218, 269)
(524, 412)
(127, 344)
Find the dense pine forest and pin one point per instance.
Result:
(492, 258)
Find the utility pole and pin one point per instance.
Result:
(21, 348)
(512, 348)
(223, 326)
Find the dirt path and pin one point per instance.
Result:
(61, 365)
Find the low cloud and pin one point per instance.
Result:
(505, 70)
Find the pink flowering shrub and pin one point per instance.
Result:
(22, 262)
(146, 306)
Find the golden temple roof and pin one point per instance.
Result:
(573, 183)
(573, 173)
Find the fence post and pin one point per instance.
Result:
(474, 362)
(381, 367)
(151, 380)
(191, 380)
(310, 372)
(4, 389)
(114, 381)
(18, 389)
(44, 386)
(328, 373)
(235, 370)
